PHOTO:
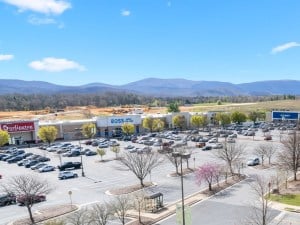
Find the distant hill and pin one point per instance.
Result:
(158, 87)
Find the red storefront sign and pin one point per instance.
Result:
(17, 127)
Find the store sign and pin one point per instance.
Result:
(121, 120)
(17, 127)
(283, 115)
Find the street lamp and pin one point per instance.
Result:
(78, 134)
(181, 156)
(82, 171)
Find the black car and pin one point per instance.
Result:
(42, 159)
(3, 155)
(7, 199)
(7, 157)
(15, 159)
(206, 148)
(31, 163)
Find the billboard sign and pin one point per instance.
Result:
(17, 127)
(285, 115)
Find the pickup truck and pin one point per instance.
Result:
(69, 165)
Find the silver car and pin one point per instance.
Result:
(66, 175)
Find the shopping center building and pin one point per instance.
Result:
(21, 131)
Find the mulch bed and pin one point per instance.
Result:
(129, 189)
(184, 172)
(47, 213)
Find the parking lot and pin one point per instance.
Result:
(101, 176)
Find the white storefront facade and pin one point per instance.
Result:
(21, 131)
(109, 126)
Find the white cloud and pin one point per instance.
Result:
(6, 57)
(41, 6)
(55, 65)
(125, 12)
(284, 47)
(40, 21)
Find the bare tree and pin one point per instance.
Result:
(80, 217)
(270, 151)
(261, 152)
(260, 214)
(27, 187)
(100, 214)
(139, 202)
(140, 164)
(231, 154)
(120, 207)
(289, 157)
(174, 160)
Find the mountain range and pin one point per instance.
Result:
(158, 87)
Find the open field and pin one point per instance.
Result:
(73, 113)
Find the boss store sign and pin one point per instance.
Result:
(112, 121)
(18, 127)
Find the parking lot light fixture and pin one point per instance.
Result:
(185, 156)
(78, 134)
(82, 171)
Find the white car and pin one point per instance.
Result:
(253, 162)
(129, 147)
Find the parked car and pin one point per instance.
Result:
(46, 168)
(268, 138)
(253, 162)
(90, 153)
(30, 163)
(230, 140)
(66, 175)
(103, 145)
(15, 159)
(206, 148)
(200, 144)
(88, 142)
(7, 199)
(69, 165)
(25, 199)
(42, 159)
(129, 147)
(72, 153)
(38, 165)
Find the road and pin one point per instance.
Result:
(231, 206)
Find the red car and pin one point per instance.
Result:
(268, 138)
(30, 199)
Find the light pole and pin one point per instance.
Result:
(82, 171)
(181, 156)
(78, 134)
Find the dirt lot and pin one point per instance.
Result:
(72, 113)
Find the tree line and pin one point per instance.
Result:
(20, 102)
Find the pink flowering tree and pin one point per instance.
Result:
(207, 173)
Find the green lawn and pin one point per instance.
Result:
(289, 199)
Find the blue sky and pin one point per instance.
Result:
(75, 42)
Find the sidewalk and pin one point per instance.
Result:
(168, 210)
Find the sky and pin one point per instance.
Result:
(76, 42)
